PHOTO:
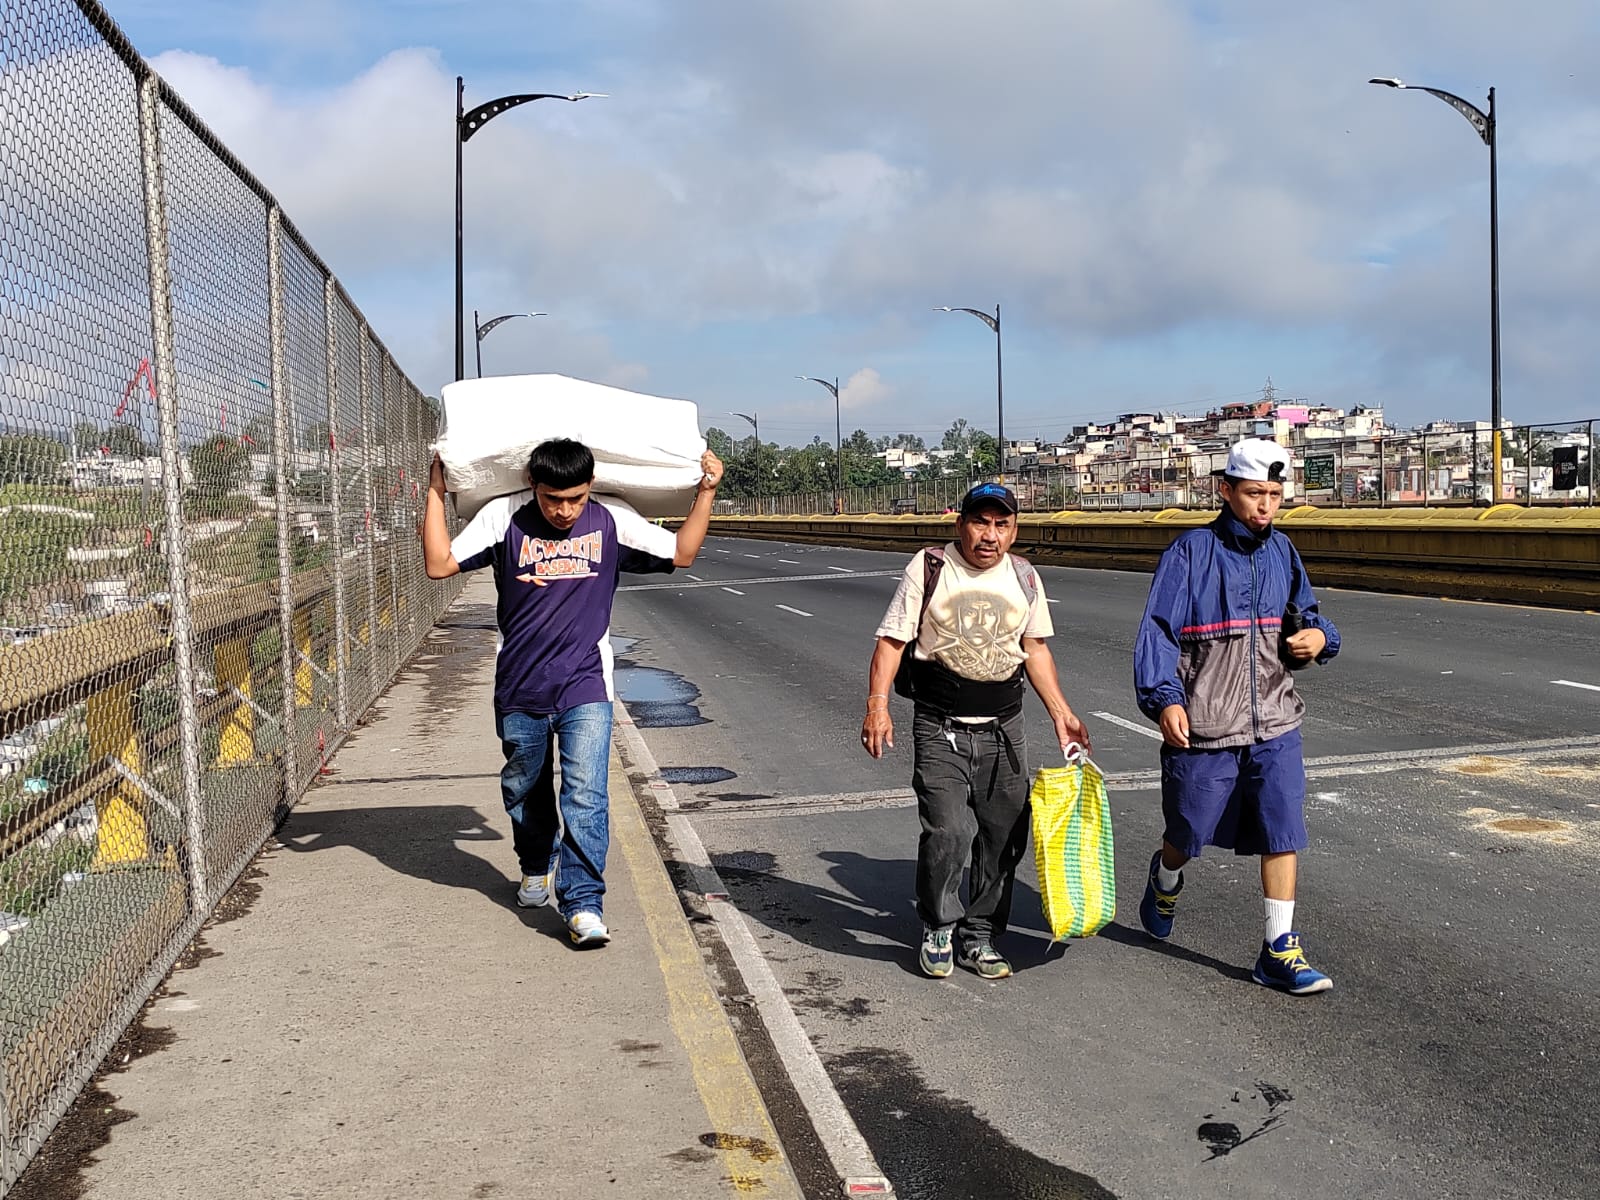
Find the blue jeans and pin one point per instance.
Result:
(573, 838)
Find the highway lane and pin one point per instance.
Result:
(1451, 1056)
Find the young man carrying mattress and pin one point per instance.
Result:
(556, 559)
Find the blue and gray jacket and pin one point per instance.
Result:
(1209, 637)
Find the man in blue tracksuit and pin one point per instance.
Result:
(1230, 616)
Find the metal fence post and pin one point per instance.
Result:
(176, 553)
(369, 556)
(1589, 478)
(281, 441)
(341, 626)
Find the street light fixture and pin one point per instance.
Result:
(993, 322)
(1484, 124)
(838, 445)
(483, 330)
(467, 124)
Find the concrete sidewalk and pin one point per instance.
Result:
(383, 1021)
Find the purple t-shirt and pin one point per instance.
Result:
(555, 590)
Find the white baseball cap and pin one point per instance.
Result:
(1260, 460)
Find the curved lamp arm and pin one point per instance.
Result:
(1476, 117)
(832, 388)
(479, 117)
(987, 318)
(488, 326)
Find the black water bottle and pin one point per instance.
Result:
(1293, 622)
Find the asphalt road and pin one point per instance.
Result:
(1454, 807)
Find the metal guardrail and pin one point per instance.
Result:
(209, 483)
(1507, 552)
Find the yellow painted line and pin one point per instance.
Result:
(752, 1158)
(1512, 604)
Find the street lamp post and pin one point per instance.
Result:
(1484, 123)
(755, 475)
(482, 331)
(993, 322)
(467, 124)
(838, 444)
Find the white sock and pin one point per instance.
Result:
(1167, 880)
(1280, 918)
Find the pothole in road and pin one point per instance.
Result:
(1528, 825)
(1535, 829)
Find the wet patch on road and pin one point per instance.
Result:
(762, 1152)
(820, 994)
(1224, 1137)
(933, 1145)
(657, 699)
(697, 776)
(744, 862)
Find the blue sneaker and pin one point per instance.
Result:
(1283, 965)
(1158, 908)
(936, 957)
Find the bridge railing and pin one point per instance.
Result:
(208, 498)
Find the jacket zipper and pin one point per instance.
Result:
(1255, 624)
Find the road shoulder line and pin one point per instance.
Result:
(728, 1091)
(853, 1163)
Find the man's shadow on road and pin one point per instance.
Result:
(870, 913)
(419, 841)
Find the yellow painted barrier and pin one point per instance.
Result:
(124, 834)
(236, 742)
(1548, 556)
(305, 680)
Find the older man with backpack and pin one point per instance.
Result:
(967, 625)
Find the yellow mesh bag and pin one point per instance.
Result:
(1073, 848)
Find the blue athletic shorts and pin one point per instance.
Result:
(1248, 799)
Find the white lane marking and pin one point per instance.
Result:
(735, 591)
(1588, 687)
(841, 1139)
(1052, 600)
(846, 570)
(696, 578)
(790, 561)
(752, 556)
(1147, 730)
(720, 550)
(799, 612)
(1331, 767)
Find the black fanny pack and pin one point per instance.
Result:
(940, 690)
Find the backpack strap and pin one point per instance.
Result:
(932, 564)
(1026, 577)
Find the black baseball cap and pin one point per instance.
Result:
(988, 493)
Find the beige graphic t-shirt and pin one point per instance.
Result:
(977, 620)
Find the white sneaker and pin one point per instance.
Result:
(587, 929)
(535, 890)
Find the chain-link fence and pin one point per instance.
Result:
(1542, 464)
(210, 480)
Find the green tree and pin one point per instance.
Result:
(903, 441)
(31, 458)
(720, 443)
(218, 466)
(123, 440)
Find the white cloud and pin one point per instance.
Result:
(1115, 172)
(864, 389)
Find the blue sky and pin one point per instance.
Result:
(1171, 202)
